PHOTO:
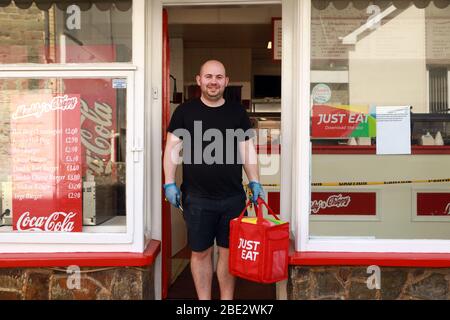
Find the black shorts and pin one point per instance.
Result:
(208, 219)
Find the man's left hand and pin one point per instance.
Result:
(257, 190)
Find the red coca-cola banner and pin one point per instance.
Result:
(46, 153)
(433, 204)
(344, 203)
(98, 123)
(98, 111)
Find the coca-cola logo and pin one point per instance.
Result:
(337, 201)
(96, 133)
(57, 222)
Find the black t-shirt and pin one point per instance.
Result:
(212, 165)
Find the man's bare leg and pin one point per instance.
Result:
(202, 272)
(226, 280)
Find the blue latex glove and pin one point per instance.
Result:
(172, 193)
(257, 190)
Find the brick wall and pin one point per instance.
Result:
(342, 283)
(116, 283)
(22, 40)
(22, 35)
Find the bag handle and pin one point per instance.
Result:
(258, 209)
(245, 209)
(261, 201)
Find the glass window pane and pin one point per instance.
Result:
(62, 154)
(366, 60)
(66, 32)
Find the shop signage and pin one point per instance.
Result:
(277, 38)
(321, 93)
(46, 156)
(98, 114)
(335, 203)
(343, 203)
(393, 129)
(433, 204)
(342, 121)
(98, 127)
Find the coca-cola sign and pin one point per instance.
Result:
(46, 158)
(57, 221)
(98, 124)
(433, 204)
(343, 203)
(98, 111)
(96, 133)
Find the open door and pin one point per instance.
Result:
(166, 246)
(195, 36)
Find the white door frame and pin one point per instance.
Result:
(292, 43)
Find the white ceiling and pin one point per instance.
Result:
(225, 27)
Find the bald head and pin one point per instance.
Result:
(213, 65)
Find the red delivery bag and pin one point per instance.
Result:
(259, 247)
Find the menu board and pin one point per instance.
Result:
(277, 38)
(438, 39)
(326, 35)
(46, 163)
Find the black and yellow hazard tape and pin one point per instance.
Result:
(372, 183)
(366, 183)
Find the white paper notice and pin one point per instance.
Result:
(393, 130)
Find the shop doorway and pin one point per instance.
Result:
(242, 37)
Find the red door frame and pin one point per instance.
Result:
(166, 243)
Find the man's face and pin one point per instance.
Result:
(212, 80)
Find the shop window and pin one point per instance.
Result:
(369, 58)
(46, 32)
(63, 154)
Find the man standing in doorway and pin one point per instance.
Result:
(215, 135)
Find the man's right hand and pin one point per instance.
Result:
(172, 193)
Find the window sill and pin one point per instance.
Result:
(344, 149)
(119, 66)
(116, 224)
(89, 259)
(425, 260)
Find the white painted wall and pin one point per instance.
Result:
(388, 66)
